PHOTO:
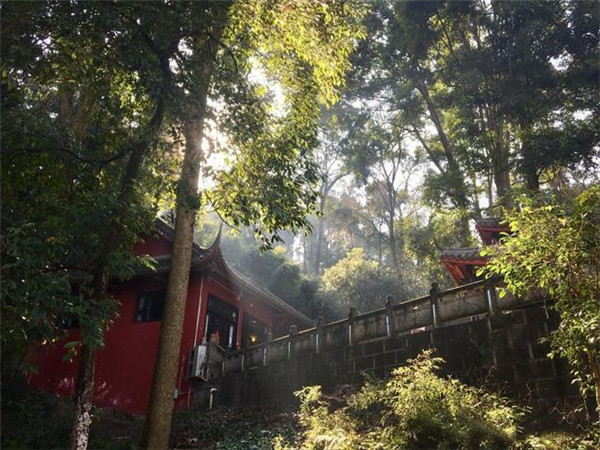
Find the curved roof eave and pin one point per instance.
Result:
(202, 257)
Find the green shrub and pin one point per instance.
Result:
(414, 409)
(587, 440)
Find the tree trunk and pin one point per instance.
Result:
(304, 254)
(490, 193)
(84, 389)
(379, 249)
(476, 203)
(391, 194)
(501, 172)
(83, 399)
(158, 420)
(393, 248)
(532, 179)
(594, 364)
(318, 251)
(157, 426)
(500, 155)
(459, 196)
(320, 237)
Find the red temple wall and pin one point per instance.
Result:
(124, 367)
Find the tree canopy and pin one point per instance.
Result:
(386, 127)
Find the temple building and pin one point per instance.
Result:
(462, 263)
(221, 304)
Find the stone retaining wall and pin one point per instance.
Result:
(483, 339)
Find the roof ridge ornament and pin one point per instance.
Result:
(217, 241)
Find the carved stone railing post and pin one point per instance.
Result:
(268, 339)
(490, 295)
(351, 323)
(434, 297)
(293, 333)
(319, 335)
(390, 322)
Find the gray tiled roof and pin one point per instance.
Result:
(212, 254)
(490, 222)
(462, 253)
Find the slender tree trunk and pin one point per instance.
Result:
(318, 252)
(500, 155)
(476, 203)
(532, 179)
(320, 235)
(379, 249)
(432, 156)
(460, 191)
(501, 170)
(391, 227)
(304, 254)
(157, 426)
(594, 365)
(83, 399)
(393, 248)
(490, 192)
(158, 420)
(84, 389)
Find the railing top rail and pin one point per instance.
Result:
(375, 312)
(333, 324)
(307, 331)
(280, 339)
(464, 287)
(412, 301)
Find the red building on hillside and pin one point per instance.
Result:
(220, 302)
(462, 263)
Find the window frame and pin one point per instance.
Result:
(146, 310)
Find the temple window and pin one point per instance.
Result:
(150, 306)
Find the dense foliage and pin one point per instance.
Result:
(472, 103)
(99, 99)
(77, 102)
(554, 251)
(356, 282)
(451, 109)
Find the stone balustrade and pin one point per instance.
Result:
(434, 310)
(483, 338)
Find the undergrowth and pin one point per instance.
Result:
(417, 409)
(414, 409)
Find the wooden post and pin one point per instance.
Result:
(434, 297)
(389, 316)
(351, 319)
(293, 333)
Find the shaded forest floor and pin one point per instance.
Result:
(39, 420)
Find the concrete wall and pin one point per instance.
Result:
(484, 339)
